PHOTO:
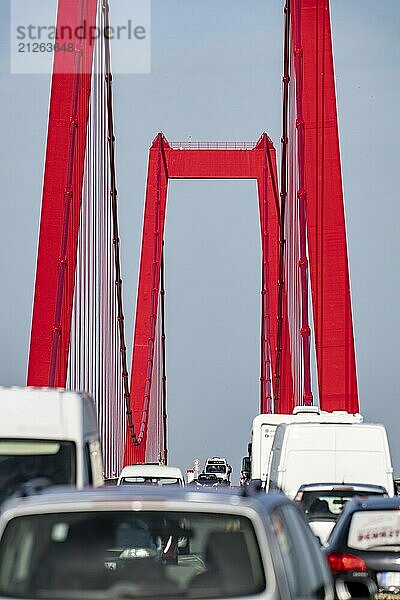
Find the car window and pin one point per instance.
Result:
(375, 530)
(23, 460)
(153, 553)
(142, 480)
(328, 504)
(303, 563)
(215, 468)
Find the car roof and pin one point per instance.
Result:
(93, 498)
(373, 503)
(151, 471)
(310, 487)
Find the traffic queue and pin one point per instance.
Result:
(315, 516)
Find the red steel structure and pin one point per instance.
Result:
(74, 338)
(320, 188)
(303, 241)
(201, 161)
(61, 202)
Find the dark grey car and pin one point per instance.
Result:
(364, 548)
(112, 543)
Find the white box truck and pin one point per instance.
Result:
(304, 453)
(263, 432)
(48, 434)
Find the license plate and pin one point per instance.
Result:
(389, 579)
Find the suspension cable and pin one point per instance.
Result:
(283, 197)
(163, 359)
(116, 239)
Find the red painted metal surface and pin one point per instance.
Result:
(61, 201)
(285, 403)
(320, 220)
(171, 161)
(147, 300)
(305, 330)
(323, 198)
(284, 356)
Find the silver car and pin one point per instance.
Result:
(125, 543)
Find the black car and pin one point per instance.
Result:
(210, 480)
(364, 548)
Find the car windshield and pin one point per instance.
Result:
(373, 530)
(25, 460)
(151, 481)
(327, 505)
(216, 469)
(126, 554)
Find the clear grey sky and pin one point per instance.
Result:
(216, 69)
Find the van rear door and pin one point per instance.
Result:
(307, 456)
(362, 455)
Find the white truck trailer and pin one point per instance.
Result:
(263, 432)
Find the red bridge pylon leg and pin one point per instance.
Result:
(269, 219)
(147, 299)
(330, 284)
(61, 201)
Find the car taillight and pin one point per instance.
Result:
(340, 561)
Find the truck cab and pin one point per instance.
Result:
(48, 434)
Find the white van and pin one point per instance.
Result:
(49, 434)
(148, 474)
(305, 453)
(264, 427)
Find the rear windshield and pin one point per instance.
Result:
(374, 530)
(328, 504)
(151, 481)
(25, 460)
(125, 554)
